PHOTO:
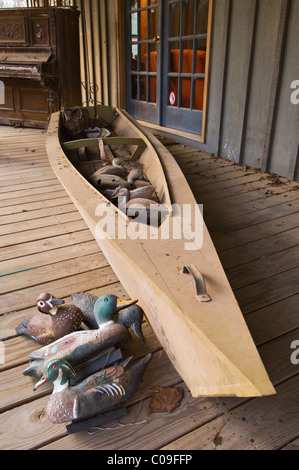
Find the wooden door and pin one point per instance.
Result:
(143, 58)
(167, 61)
(185, 50)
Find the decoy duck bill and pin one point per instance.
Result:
(41, 382)
(125, 303)
(55, 302)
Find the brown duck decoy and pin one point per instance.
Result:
(54, 320)
(98, 393)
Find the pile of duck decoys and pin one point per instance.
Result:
(127, 187)
(120, 180)
(82, 356)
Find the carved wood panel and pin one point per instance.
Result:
(13, 31)
(40, 33)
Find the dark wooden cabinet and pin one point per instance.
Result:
(39, 64)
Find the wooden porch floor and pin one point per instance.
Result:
(253, 218)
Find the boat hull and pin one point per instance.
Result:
(208, 343)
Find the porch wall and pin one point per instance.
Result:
(250, 117)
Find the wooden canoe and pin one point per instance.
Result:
(208, 342)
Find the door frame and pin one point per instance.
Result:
(138, 108)
(122, 51)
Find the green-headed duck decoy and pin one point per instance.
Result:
(97, 394)
(54, 320)
(130, 317)
(76, 347)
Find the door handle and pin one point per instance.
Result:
(157, 39)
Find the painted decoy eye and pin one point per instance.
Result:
(54, 366)
(41, 303)
(105, 299)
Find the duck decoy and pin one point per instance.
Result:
(97, 394)
(106, 181)
(148, 211)
(136, 174)
(93, 132)
(116, 168)
(54, 320)
(79, 346)
(130, 317)
(147, 192)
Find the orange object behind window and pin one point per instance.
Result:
(186, 82)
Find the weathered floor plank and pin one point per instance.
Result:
(45, 245)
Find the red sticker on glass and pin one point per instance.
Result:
(172, 98)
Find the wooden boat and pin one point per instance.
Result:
(179, 281)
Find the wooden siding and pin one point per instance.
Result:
(99, 69)
(251, 119)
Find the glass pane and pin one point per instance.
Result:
(134, 26)
(153, 89)
(187, 56)
(143, 88)
(198, 94)
(134, 87)
(201, 55)
(200, 68)
(153, 23)
(174, 56)
(173, 91)
(174, 19)
(143, 57)
(134, 4)
(186, 93)
(201, 44)
(134, 57)
(143, 25)
(202, 17)
(153, 57)
(189, 12)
